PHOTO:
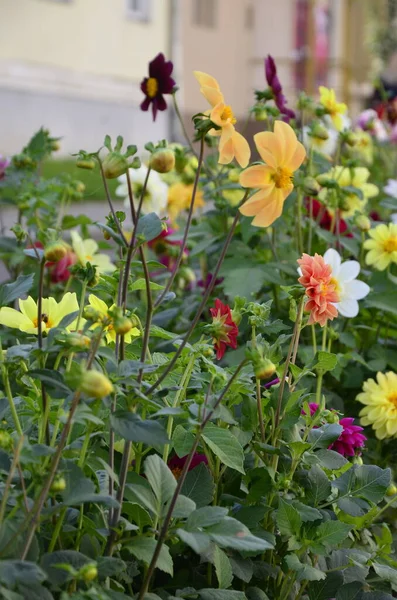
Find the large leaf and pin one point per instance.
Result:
(131, 427)
(182, 440)
(305, 572)
(149, 226)
(143, 548)
(288, 519)
(199, 485)
(211, 594)
(52, 564)
(230, 533)
(386, 301)
(350, 591)
(223, 568)
(161, 479)
(322, 437)
(317, 486)
(326, 361)
(329, 534)
(365, 481)
(225, 446)
(13, 572)
(326, 589)
(18, 289)
(206, 517)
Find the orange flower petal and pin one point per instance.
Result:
(269, 213)
(209, 87)
(287, 134)
(216, 114)
(269, 148)
(297, 158)
(257, 202)
(256, 176)
(242, 150)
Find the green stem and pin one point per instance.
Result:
(79, 317)
(299, 222)
(9, 478)
(57, 530)
(7, 389)
(314, 340)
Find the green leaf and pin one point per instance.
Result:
(305, 572)
(322, 437)
(253, 277)
(288, 518)
(110, 566)
(161, 480)
(223, 568)
(329, 534)
(330, 459)
(326, 589)
(386, 301)
(51, 378)
(326, 361)
(199, 485)
(242, 568)
(212, 594)
(13, 572)
(143, 548)
(19, 288)
(307, 513)
(350, 591)
(182, 440)
(225, 446)
(386, 573)
(230, 533)
(317, 486)
(206, 516)
(52, 564)
(149, 226)
(197, 541)
(131, 427)
(140, 284)
(366, 481)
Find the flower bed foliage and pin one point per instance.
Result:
(200, 403)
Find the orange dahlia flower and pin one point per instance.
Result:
(321, 288)
(231, 144)
(283, 154)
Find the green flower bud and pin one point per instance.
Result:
(88, 572)
(264, 368)
(114, 164)
(357, 460)
(391, 490)
(122, 325)
(319, 131)
(234, 175)
(331, 416)
(363, 222)
(311, 187)
(78, 341)
(260, 113)
(162, 160)
(58, 485)
(55, 251)
(96, 384)
(325, 181)
(91, 314)
(5, 440)
(87, 163)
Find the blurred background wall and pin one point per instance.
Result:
(75, 66)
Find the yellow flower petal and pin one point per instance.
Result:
(256, 176)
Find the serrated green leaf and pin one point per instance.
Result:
(288, 518)
(223, 568)
(143, 548)
(132, 428)
(140, 284)
(225, 446)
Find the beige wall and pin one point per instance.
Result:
(89, 36)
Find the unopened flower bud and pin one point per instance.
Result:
(357, 460)
(88, 572)
(55, 251)
(234, 175)
(325, 181)
(86, 163)
(23, 160)
(79, 187)
(91, 314)
(58, 485)
(350, 138)
(96, 384)
(331, 416)
(162, 160)
(122, 325)
(95, 278)
(55, 145)
(363, 222)
(264, 368)
(260, 113)
(311, 187)
(114, 164)
(318, 131)
(209, 353)
(391, 490)
(5, 440)
(78, 341)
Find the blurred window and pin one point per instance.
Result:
(139, 10)
(249, 17)
(204, 12)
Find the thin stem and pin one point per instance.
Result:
(57, 529)
(7, 389)
(45, 431)
(181, 481)
(109, 199)
(79, 317)
(149, 314)
(187, 227)
(201, 306)
(314, 340)
(10, 475)
(178, 114)
(136, 215)
(259, 407)
(299, 327)
(299, 222)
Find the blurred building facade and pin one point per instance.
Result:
(75, 65)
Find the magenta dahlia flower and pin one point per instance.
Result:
(176, 464)
(157, 84)
(275, 85)
(4, 163)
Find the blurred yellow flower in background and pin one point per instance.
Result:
(231, 144)
(356, 177)
(26, 318)
(380, 399)
(333, 108)
(283, 155)
(87, 252)
(179, 198)
(382, 246)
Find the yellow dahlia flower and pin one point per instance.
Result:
(26, 318)
(380, 399)
(283, 155)
(382, 246)
(231, 144)
(334, 109)
(179, 198)
(109, 331)
(87, 252)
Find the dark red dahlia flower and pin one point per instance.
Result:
(157, 84)
(275, 85)
(176, 464)
(324, 218)
(166, 249)
(224, 330)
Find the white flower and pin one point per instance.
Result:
(326, 147)
(349, 288)
(346, 122)
(391, 188)
(156, 194)
(86, 251)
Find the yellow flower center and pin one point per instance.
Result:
(392, 398)
(152, 87)
(390, 245)
(335, 282)
(88, 257)
(44, 319)
(282, 177)
(228, 113)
